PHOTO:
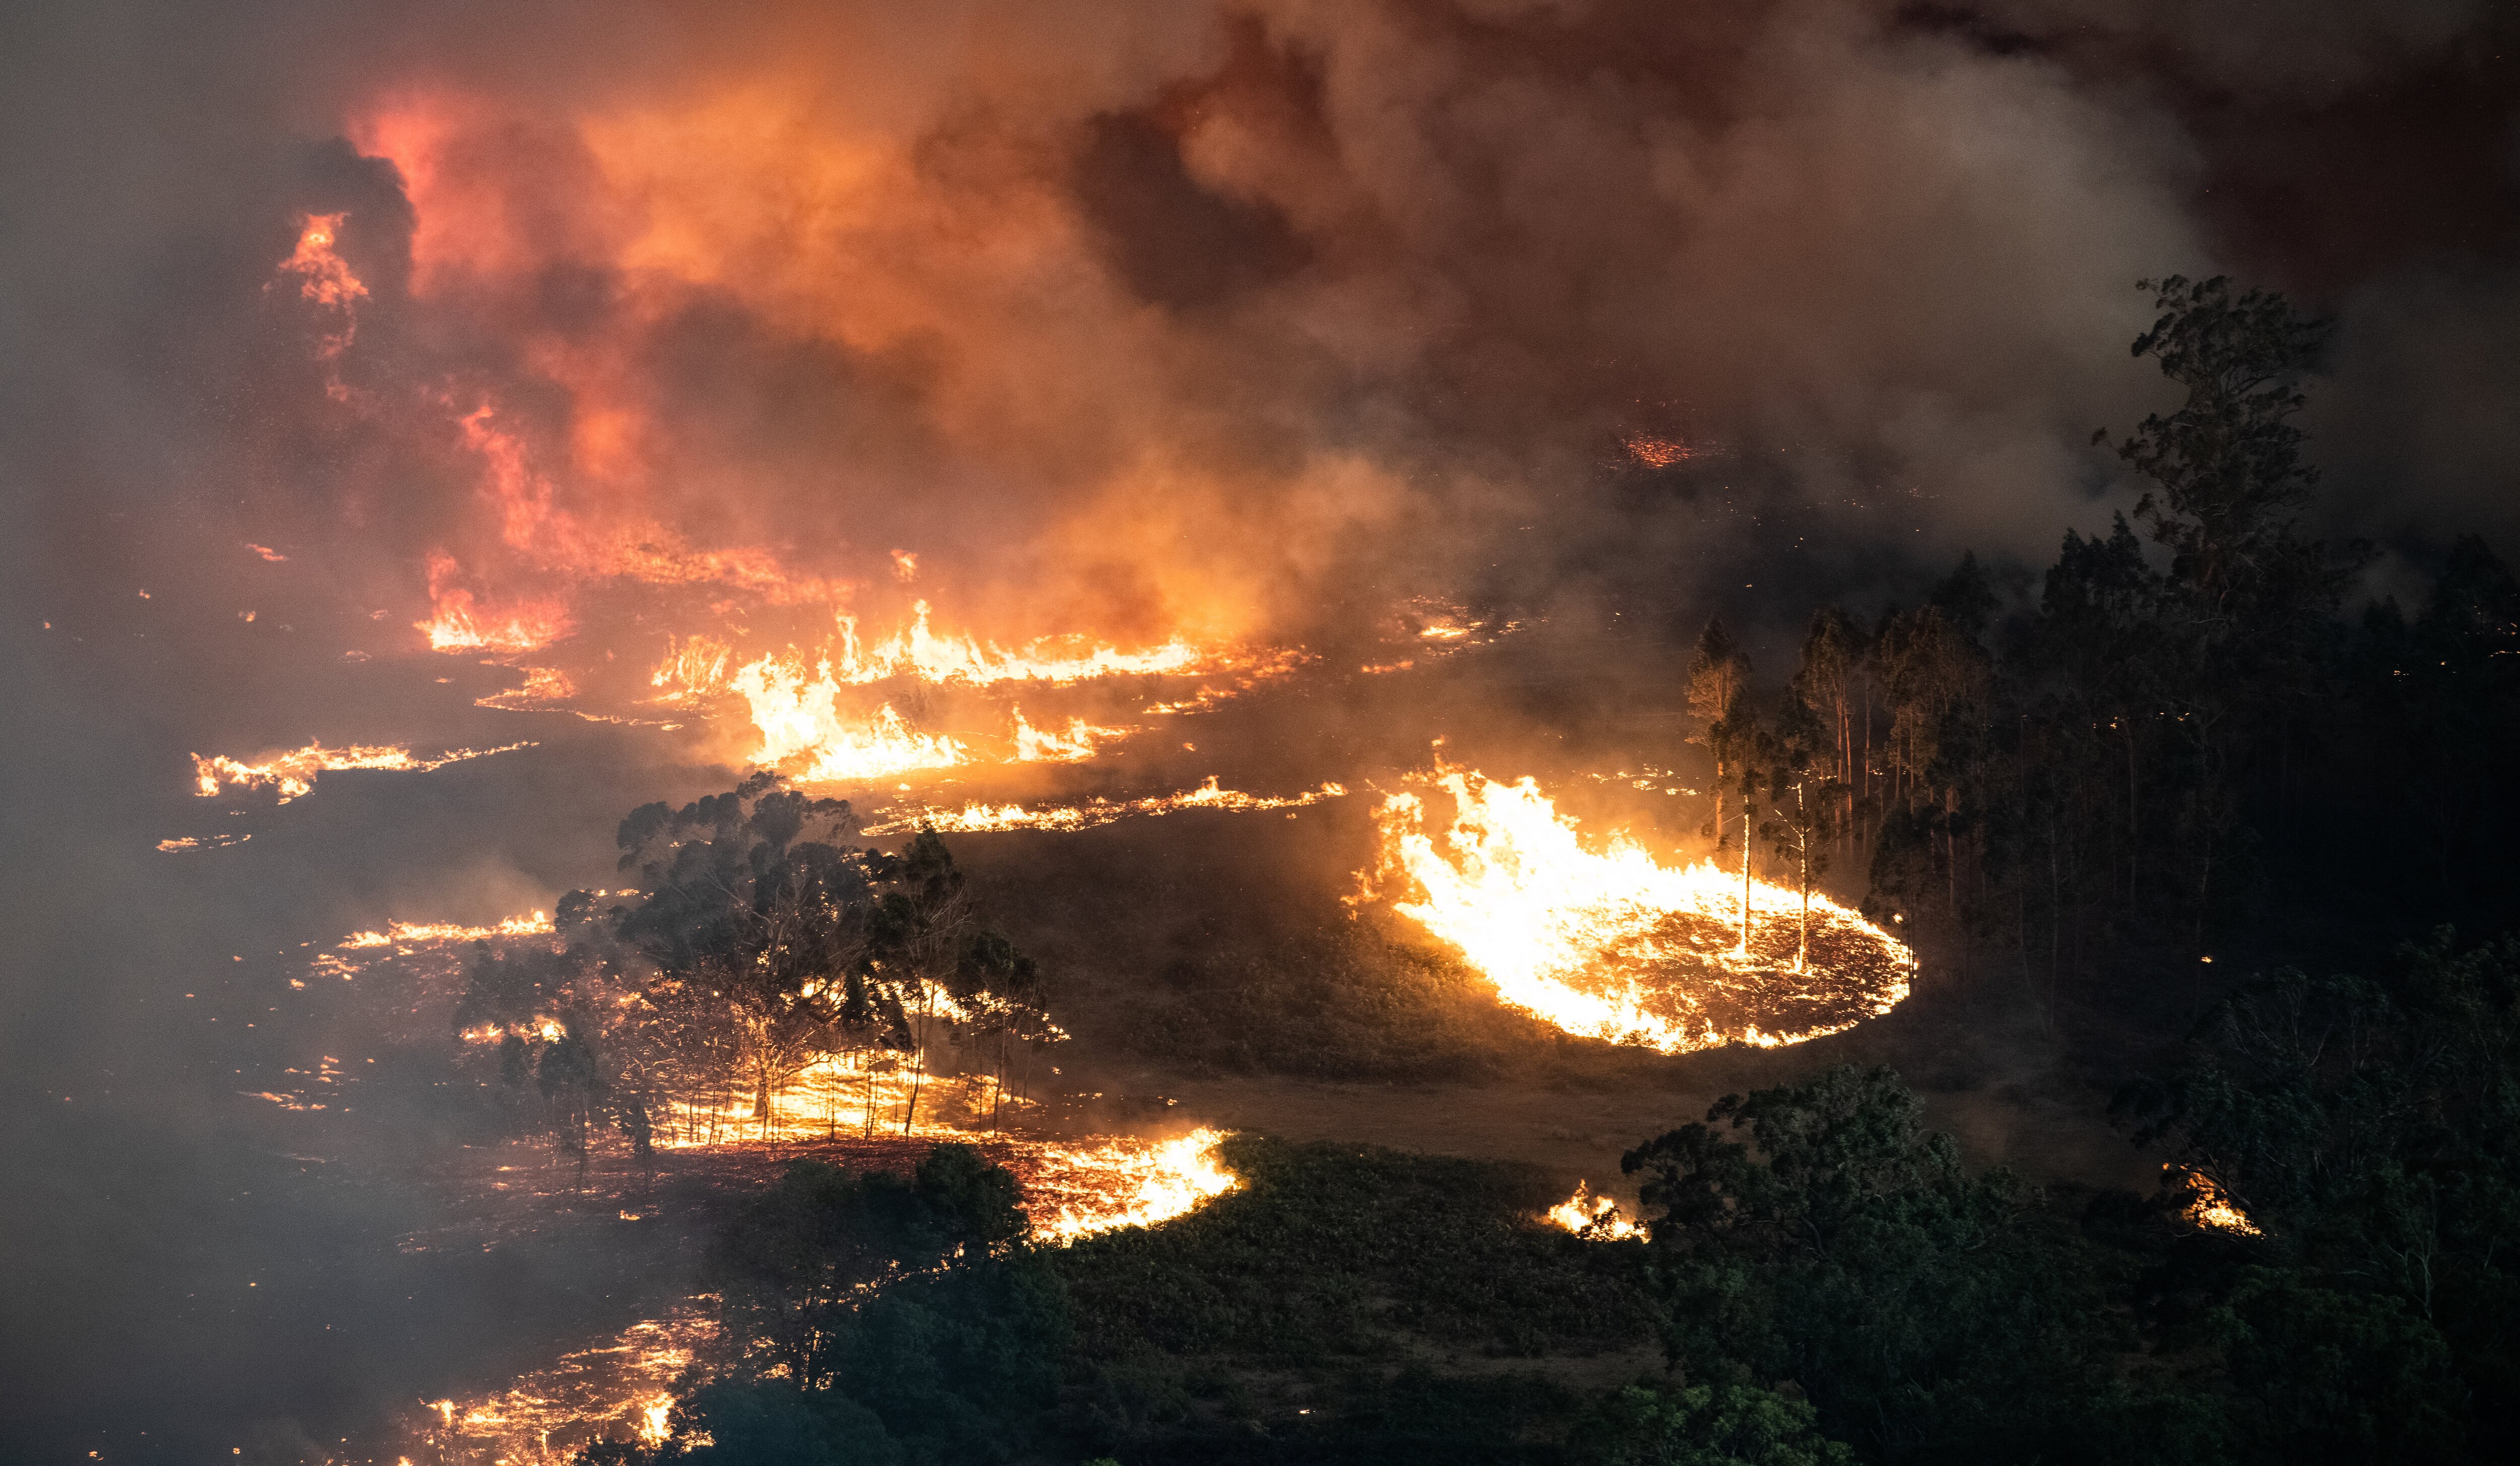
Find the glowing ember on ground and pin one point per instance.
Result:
(1598, 1217)
(1655, 451)
(294, 772)
(619, 1389)
(975, 818)
(200, 843)
(1611, 945)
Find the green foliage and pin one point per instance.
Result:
(2368, 1129)
(1927, 1312)
(1705, 1425)
(1327, 1252)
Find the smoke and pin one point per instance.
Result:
(1241, 320)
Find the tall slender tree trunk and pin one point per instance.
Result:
(1745, 875)
(1802, 843)
(2135, 816)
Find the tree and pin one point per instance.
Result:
(801, 1263)
(1747, 745)
(918, 930)
(1833, 656)
(1705, 1425)
(1929, 1315)
(1719, 677)
(2249, 596)
(1802, 802)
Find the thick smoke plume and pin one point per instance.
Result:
(1242, 321)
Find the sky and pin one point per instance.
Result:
(1240, 323)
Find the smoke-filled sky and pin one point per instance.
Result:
(1232, 322)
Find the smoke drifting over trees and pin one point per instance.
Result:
(1229, 321)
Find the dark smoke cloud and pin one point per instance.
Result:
(1322, 303)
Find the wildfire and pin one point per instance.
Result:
(621, 1389)
(1078, 742)
(404, 936)
(920, 653)
(1609, 944)
(294, 772)
(2210, 1206)
(325, 278)
(460, 622)
(1074, 1191)
(696, 667)
(975, 818)
(200, 843)
(1596, 1217)
(801, 724)
(1655, 451)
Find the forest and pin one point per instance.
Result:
(2197, 769)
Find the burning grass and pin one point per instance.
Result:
(1607, 943)
(294, 772)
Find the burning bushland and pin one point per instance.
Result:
(761, 969)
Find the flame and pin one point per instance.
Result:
(294, 772)
(406, 936)
(918, 651)
(695, 667)
(544, 687)
(459, 622)
(620, 1388)
(624, 1385)
(325, 279)
(1598, 1217)
(1074, 1191)
(200, 843)
(2210, 1206)
(1562, 931)
(1036, 745)
(973, 819)
(801, 724)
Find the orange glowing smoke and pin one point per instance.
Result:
(981, 818)
(325, 279)
(458, 621)
(294, 772)
(1609, 944)
(1596, 1217)
(838, 228)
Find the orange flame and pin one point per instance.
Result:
(973, 819)
(294, 772)
(1078, 742)
(458, 622)
(1596, 1217)
(1561, 930)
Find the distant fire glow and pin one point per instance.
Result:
(1608, 944)
(294, 772)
